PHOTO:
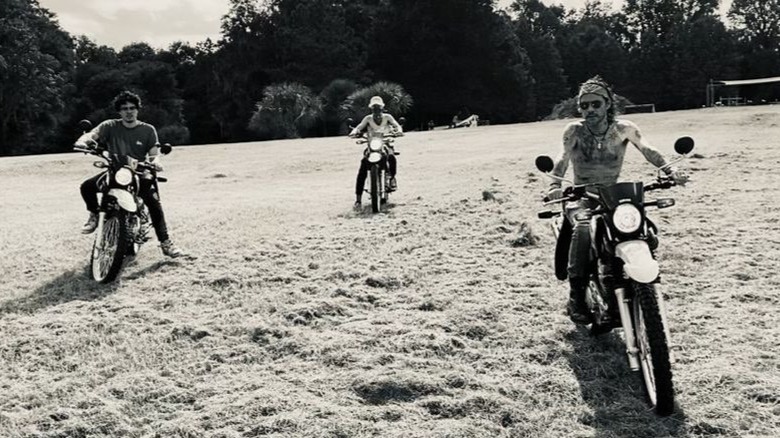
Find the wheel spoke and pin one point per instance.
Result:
(106, 246)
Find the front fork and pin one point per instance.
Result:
(628, 326)
(628, 329)
(99, 230)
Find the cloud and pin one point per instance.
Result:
(156, 22)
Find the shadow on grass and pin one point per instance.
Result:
(73, 285)
(365, 211)
(152, 268)
(614, 392)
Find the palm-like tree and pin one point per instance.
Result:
(286, 111)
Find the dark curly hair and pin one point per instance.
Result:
(126, 97)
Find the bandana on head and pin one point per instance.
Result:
(592, 87)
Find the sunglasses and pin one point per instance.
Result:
(128, 108)
(596, 104)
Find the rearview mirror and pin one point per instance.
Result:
(85, 125)
(683, 145)
(544, 163)
(166, 149)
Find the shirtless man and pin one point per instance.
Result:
(596, 147)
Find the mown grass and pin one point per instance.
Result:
(439, 318)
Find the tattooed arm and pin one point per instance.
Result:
(651, 154)
(562, 160)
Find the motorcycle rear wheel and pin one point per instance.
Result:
(656, 370)
(109, 249)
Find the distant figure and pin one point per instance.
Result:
(431, 125)
(469, 122)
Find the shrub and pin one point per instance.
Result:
(287, 109)
(397, 100)
(174, 134)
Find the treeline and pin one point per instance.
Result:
(287, 68)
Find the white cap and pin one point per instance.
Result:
(376, 100)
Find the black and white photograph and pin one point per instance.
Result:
(389, 218)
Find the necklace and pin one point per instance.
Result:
(598, 138)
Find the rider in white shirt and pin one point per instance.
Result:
(376, 122)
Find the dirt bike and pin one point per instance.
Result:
(123, 219)
(378, 147)
(623, 271)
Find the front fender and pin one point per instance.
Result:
(638, 262)
(124, 199)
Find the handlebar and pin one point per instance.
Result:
(663, 182)
(85, 150)
(384, 135)
(98, 152)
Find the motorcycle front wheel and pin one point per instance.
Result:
(109, 249)
(653, 348)
(375, 188)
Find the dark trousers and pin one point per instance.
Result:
(148, 191)
(365, 166)
(579, 251)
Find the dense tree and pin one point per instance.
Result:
(659, 17)
(681, 47)
(313, 42)
(36, 61)
(758, 21)
(454, 54)
(536, 26)
(239, 68)
(588, 49)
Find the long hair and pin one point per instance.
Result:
(597, 85)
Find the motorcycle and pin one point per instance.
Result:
(623, 271)
(123, 219)
(378, 147)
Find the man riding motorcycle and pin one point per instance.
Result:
(128, 137)
(376, 122)
(596, 147)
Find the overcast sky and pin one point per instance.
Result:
(161, 22)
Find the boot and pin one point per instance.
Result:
(577, 308)
(91, 225)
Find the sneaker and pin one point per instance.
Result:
(169, 249)
(358, 205)
(91, 225)
(393, 186)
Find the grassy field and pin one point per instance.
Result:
(302, 318)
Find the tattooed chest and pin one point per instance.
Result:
(592, 149)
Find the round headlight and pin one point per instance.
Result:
(374, 157)
(375, 144)
(123, 176)
(627, 218)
